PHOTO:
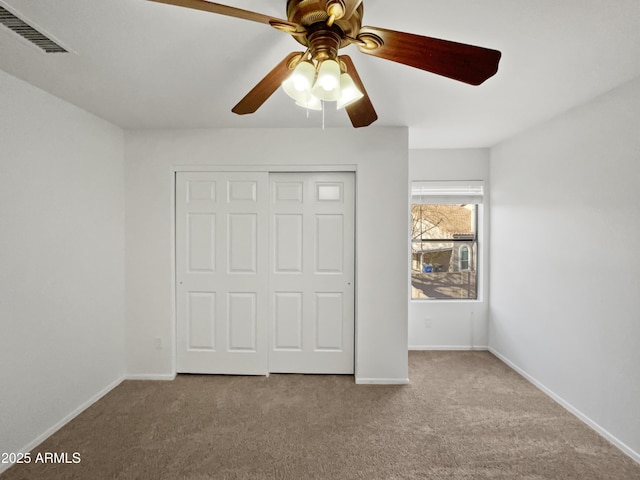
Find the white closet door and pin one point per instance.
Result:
(311, 281)
(221, 269)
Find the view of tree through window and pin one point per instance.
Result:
(443, 251)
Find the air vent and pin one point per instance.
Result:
(26, 31)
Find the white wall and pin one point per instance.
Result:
(381, 157)
(61, 261)
(453, 324)
(565, 267)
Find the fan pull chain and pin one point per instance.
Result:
(322, 114)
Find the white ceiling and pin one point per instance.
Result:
(141, 64)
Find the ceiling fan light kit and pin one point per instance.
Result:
(309, 86)
(322, 74)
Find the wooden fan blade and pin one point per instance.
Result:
(265, 87)
(361, 112)
(466, 63)
(226, 10)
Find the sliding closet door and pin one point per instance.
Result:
(221, 272)
(312, 272)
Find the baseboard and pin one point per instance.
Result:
(381, 381)
(58, 425)
(449, 347)
(165, 377)
(566, 405)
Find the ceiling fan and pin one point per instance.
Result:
(320, 73)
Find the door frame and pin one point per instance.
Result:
(256, 168)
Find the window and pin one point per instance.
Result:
(444, 240)
(463, 256)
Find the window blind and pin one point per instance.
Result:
(448, 193)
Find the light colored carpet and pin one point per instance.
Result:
(465, 415)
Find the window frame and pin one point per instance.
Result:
(453, 193)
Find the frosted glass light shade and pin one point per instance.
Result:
(313, 103)
(349, 91)
(298, 84)
(327, 86)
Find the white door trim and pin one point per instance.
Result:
(264, 168)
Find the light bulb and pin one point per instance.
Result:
(298, 84)
(328, 82)
(327, 86)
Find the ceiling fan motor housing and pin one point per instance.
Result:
(324, 43)
(312, 15)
